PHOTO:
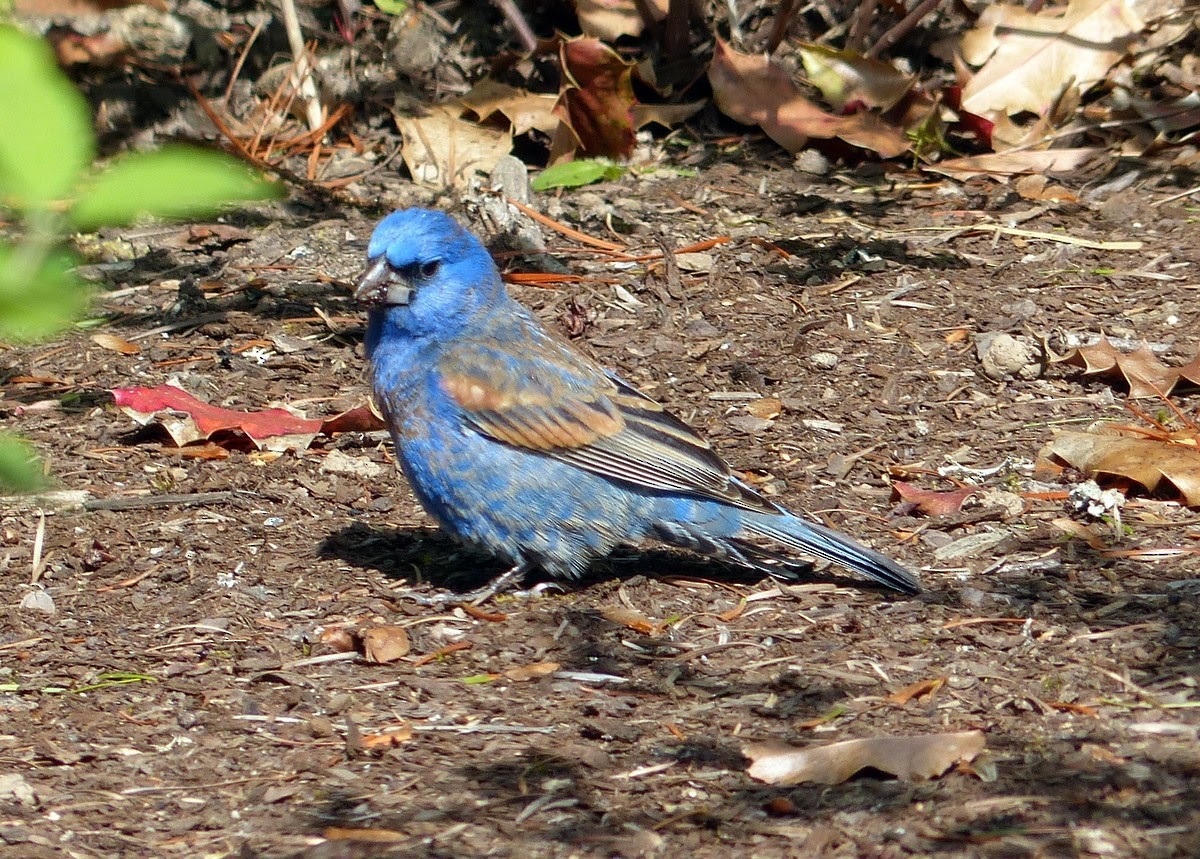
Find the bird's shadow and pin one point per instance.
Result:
(428, 556)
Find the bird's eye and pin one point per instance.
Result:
(429, 269)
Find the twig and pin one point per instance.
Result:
(516, 20)
(194, 322)
(861, 25)
(177, 500)
(779, 27)
(547, 221)
(303, 73)
(902, 29)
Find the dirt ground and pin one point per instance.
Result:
(174, 686)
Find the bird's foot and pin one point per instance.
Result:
(538, 589)
(483, 594)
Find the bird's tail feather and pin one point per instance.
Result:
(818, 540)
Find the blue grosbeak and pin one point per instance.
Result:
(517, 444)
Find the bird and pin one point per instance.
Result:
(518, 444)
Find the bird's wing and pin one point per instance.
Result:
(559, 404)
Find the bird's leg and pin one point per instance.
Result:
(479, 595)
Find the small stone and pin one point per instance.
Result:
(813, 162)
(1005, 357)
(823, 360)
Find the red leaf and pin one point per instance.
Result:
(598, 101)
(933, 503)
(187, 419)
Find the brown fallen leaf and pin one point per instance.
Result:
(933, 503)
(367, 836)
(521, 673)
(1034, 187)
(524, 110)
(907, 758)
(1079, 529)
(387, 739)
(115, 343)
(611, 19)
(1141, 370)
(1028, 58)
(767, 408)
(1147, 462)
(634, 620)
(596, 103)
(383, 644)
(443, 150)
(1003, 164)
(751, 89)
(920, 689)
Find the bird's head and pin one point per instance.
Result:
(426, 275)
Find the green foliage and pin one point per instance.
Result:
(46, 139)
(37, 300)
(392, 7)
(46, 147)
(19, 469)
(574, 174)
(172, 182)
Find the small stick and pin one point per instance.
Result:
(180, 500)
(520, 26)
(902, 29)
(779, 27)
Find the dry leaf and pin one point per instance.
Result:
(933, 503)
(535, 671)
(753, 90)
(524, 110)
(1034, 187)
(1029, 58)
(907, 758)
(1141, 370)
(338, 639)
(1080, 530)
(848, 78)
(186, 420)
(116, 344)
(367, 836)
(920, 689)
(384, 644)
(634, 620)
(596, 102)
(767, 408)
(441, 149)
(387, 739)
(1002, 164)
(611, 19)
(1144, 461)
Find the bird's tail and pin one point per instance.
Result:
(818, 540)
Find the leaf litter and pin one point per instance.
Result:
(1091, 707)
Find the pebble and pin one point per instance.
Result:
(823, 360)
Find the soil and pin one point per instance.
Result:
(176, 679)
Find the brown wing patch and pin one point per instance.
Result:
(474, 394)
(529, 419)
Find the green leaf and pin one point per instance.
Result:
(45, 126)
(173, 182)
(36, 304)
(392, 7)
(20, 470)
(573, 174)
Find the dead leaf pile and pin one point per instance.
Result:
(1141, 371)
(1126, 459)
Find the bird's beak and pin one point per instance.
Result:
(381, 286)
